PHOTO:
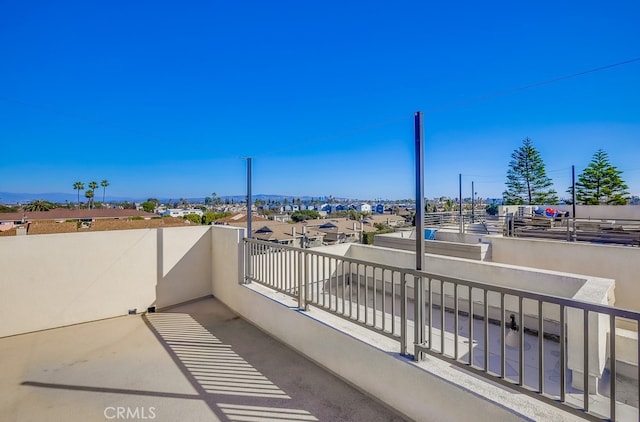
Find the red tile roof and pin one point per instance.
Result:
(67, 214)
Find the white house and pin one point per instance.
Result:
(363, 208)
(178, 212)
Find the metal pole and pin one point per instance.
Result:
(460, 202)
(419, 148)
(573, 201)
(418, 286)
(573, 190)
(473, 203)
(249, 231)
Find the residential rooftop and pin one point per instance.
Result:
(198, 361)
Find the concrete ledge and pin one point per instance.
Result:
(475, 251)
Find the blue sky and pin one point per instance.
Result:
(164, 99)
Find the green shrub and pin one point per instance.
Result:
(194, 218)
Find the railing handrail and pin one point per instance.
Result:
(526, 294)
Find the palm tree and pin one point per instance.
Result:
(38, 205)
(78, 186)
(104, 185)
(93, 185)
(89, 195)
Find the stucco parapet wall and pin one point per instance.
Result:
(54, 280)
(555, 283)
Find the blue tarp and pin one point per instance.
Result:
(430, 234)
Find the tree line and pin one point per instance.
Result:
(600, 183)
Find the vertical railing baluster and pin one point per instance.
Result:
(384, 300)
(300, 299)
(330, 296)
(430, 308)
(521, 342)
(284, 269)
(276, 266)
(350, 291)
(540, 348)
(317, 280)
(455, 321)
(366, 296)
(503, 348)
(486, 331)
(375, 295)
(307, 280)
(287, 255)
(470, 293)
(393, 302)
(403, 314)
(563, 355)
(418, 317)
(358, 292)
(585, 368)
(343, 284)
(257, 270)
(256, 260)
(442, 318)
(612, 366)
(265, 264)
(268, 275)
(247, 259)
(326, 279)
(273, 279)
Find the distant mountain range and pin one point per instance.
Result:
(57, 197)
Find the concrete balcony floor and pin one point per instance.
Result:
(195, 362)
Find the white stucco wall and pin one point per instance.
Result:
(541, 281)
(49, 281)
(597, 212)
(608, 212)
(184, 258)
(619, 263)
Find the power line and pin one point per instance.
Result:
(525, 87)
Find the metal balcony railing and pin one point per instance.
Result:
(559, 350)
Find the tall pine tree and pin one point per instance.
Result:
(527, 181)
(600, 183)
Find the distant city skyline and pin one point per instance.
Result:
(62, 198)
(165, 100)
